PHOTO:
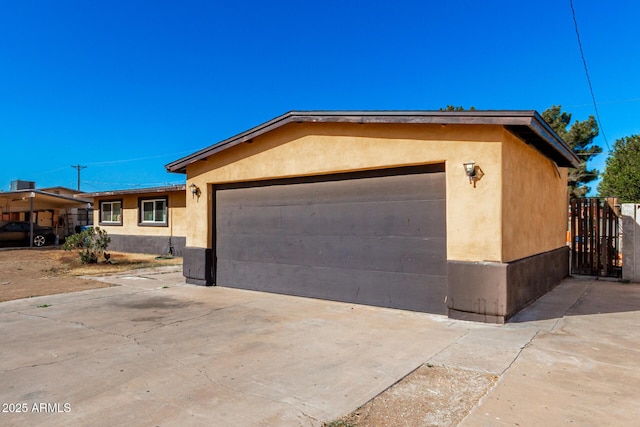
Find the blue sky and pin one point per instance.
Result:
(125, 87)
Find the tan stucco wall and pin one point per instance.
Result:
(176, 215)
(474, 215)
(535, 201)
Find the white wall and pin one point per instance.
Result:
(631, 242)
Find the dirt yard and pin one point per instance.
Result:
(30, 273)
(429, 396)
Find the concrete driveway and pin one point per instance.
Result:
(154, 351)
(141, 354)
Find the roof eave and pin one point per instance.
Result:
(530, 119)
(539, 134)
(165, 189)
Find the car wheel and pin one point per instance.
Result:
(39, 240)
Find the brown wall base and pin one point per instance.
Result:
(477, 291)
(493, 292)
(197, 266)
(158, 245)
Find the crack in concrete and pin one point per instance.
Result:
(304, 414)
(527, 344)
(135, 339)
(171, 323)
(241, 392)
(578, 300)
(500, 377)
(37, 365)
(72, 322)
(451, 344)
(59, 299)
(244, 393)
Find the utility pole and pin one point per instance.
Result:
(79, 168)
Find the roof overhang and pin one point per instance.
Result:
(529, 126)
(20, 200)
(152, 190)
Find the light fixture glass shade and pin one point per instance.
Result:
(470, 168)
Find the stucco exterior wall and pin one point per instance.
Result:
(474, 214)
(177, 221)
(535, 201)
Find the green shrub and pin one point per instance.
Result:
(90, 243)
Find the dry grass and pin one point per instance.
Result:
(39, 272)
(67, 263)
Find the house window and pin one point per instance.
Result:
(153, 211)
(111, 212)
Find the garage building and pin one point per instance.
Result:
(458, 213)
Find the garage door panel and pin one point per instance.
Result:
(376, 239)
(406, 255)
(338, 220)
(292, 192)
(403, 291)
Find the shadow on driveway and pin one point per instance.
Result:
(582, 296)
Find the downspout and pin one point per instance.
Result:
(170, 249)
(635, 246)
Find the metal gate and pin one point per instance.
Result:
(595, 238)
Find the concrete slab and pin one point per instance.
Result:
(585, 370)
(489, 350)
(154, 351)
(186, 355)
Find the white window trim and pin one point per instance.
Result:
(111, 221)
(165, 200)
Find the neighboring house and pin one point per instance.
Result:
(73, 217)
(384, 208)
(144, 220)
(52, 207)
(61, 190)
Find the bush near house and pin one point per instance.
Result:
(91, 243)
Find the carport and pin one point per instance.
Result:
(38, 207)
(458, 213)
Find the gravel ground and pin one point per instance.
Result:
(429, 396)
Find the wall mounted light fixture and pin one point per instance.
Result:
(473, 172)
(469, 169)
(195, 190)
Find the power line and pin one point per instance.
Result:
(122, 161)
(586, 70)
(132, 185)
(612, 102)
(111, 162)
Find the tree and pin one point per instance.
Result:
(458, 108)
(621, 176)
(580, 138)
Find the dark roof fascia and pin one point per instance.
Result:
(509, 119)
(180, 165)
(166, 189)
(539, 134)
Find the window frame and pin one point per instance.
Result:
(110, 202)
(154, 223)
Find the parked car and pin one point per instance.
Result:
(17, 232)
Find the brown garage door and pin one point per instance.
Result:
(376, 237)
